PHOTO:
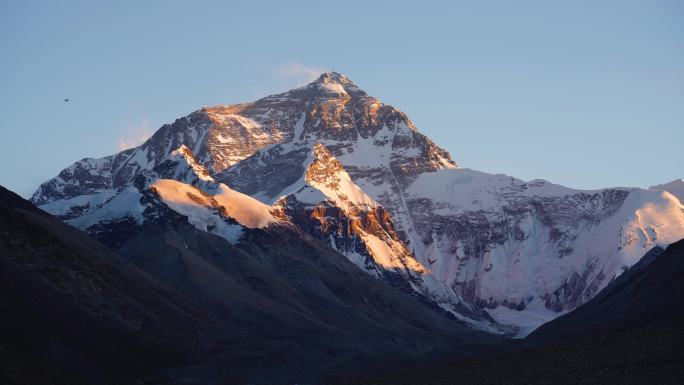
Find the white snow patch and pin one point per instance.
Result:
(534, 315)
(63, 206)
(189, 201)
(310, 195)
(140, 158)
(332, 88)
(299, 128)
(369, 153)
(246, 210)
(224, 140)
(125, 204)
(381, 252)
(249, 124)
(469, 190)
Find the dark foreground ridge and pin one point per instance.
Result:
(631, 333)
(649, 355)
(73, 311)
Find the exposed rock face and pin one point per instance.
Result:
(182, 166)
(346, 232)
(356, 173)
(331, 207)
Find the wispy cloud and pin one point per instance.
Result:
(135, 134)
(299, 73)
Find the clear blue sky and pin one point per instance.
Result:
(584, 93)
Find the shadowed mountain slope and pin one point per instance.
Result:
(291, 307)
(74, 311)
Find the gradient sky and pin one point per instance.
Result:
(588, 94)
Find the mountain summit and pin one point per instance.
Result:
(332, 78)
(327, 159)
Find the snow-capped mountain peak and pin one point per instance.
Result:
(358, 174)
(333, 84)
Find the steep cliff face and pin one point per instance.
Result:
(329, 206)
(356, 173)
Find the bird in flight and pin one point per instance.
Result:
(66, 99)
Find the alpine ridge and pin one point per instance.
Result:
(335, 163)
